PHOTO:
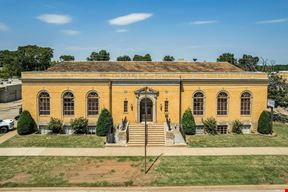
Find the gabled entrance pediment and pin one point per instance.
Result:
(150, 91)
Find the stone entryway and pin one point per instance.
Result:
(155, 134)
(149, 105)
(151, 98)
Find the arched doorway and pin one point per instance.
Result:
(149, 110)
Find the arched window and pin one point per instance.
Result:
(222, 103)
(245, 103)
(68, 103)
(92, 103)
(44, 103)
(198, 103)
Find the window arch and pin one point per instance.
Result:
(222, 103)
(68, 103)
(245, 103)
(198, 103)
(44, 103)
(92, 103)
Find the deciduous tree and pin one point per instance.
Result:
(248, 62)
(124, 58)
(67, 58)
(102, 55)
(146, 57)
(168, 58)
(227, 57)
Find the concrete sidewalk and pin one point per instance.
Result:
(7, 136)
(139, 151)
(228, 188)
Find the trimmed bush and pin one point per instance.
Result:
(264, 126)
(55, 125)
(104, 123)
(188, 123)
(26, 124)
(210, 126)
(237, 127)
(79, 125)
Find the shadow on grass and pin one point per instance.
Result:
(150, 167)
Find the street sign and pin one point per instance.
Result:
(271, 103)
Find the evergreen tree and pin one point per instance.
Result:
(104, 123)
(188, 123)
(26, 124)
(264, 123)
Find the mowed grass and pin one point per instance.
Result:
(251, 140)
(38, 140)
(128, 171)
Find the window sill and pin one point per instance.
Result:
(246, 115)
(198, 115)
(221, 115)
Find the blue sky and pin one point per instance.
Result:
(187, 29)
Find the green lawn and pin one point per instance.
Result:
(251, 140)
(38, 140)
(128, 171)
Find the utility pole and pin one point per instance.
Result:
(145, 143)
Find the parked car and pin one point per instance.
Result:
(6, 125)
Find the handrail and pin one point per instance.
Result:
(168, 122)
(182, 132)
(124, 129)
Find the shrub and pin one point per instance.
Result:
(104, 123)
(26, 124)
(237, 127)
(79, 125)
(264, 126)
(280, 117)
(188, 123)
(210, 126)
(55, 125)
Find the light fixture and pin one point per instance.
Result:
(161, 106)
(131, 107)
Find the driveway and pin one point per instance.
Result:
(10, 110)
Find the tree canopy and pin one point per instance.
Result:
(102, 55)
(168, 58)
(227, 57)
(67, 58)
(146, 57)
(124, 58)
(26, 58)
(278, 90)
(248, 62)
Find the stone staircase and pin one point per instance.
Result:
(155, 133)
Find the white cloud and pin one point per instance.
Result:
(272, 21)
(70, 32)
(4, 27)
(204, 22)
(121, 30)
(129, 19)
(55, 19)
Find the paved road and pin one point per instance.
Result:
(139, 151)
(236, 188)
(10, 110)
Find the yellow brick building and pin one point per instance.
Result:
(211, 89)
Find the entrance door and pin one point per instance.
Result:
(149, 110)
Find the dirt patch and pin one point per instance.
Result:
(19, 178)
(110, 171)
